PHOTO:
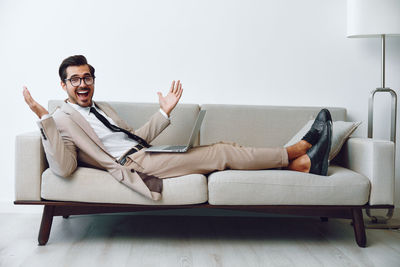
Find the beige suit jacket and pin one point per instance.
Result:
(68, 139)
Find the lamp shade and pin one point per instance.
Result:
(372, 18)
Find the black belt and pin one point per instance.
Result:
(134, 149)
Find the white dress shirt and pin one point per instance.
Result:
(115, 143)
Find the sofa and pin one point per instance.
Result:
(360, 177)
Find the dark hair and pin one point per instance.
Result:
(77, 60)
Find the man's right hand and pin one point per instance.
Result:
(33, 105)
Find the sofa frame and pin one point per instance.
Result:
(65, 209)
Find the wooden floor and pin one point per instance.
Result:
(132, 240)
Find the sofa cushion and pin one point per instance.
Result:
(281, 187)
(93, 185)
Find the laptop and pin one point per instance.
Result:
(181, 149)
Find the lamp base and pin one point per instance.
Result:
(382, 224)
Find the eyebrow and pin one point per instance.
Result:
(84, 75)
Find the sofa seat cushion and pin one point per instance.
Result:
(281, 187)
(92, 185)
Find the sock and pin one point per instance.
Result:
(311, 137)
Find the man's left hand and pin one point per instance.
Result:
(169, 102)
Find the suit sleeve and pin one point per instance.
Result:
(60, 149)
(151, 129)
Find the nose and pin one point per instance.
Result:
(83, 84)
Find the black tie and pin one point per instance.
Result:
(114, 128)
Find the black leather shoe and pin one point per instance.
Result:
(319, 153)
(313, 135)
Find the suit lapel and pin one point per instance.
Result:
(85, 126)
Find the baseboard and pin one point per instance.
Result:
(9, 207)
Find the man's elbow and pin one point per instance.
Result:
(63, 171)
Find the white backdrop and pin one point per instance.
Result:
(261, 52)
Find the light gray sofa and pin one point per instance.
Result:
(361, 176)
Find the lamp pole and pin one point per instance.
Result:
(383, 61)
(383, 89)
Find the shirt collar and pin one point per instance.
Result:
(85, 110)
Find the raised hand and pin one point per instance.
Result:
(33, 105)
(169, 102)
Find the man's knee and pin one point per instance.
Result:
(219, 145)
(223, 146)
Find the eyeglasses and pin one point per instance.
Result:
(76, 81)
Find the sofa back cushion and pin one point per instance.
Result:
(259, 126)
(137, 114)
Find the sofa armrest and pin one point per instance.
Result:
(375, 160)
(30, 162)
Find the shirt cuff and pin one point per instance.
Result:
(164, 114)
(45, 116)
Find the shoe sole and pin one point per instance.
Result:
(325, 162)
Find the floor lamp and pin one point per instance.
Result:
(376, 18)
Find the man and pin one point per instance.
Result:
(92, 134)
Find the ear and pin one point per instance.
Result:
(63, 85)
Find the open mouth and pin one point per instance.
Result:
(83, 94)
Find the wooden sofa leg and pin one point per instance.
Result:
(324, 219)
(358, 225)
(45, 226)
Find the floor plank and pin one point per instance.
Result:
(131, 240)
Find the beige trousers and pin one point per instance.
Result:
(209, 158)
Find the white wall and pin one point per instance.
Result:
(272, 52)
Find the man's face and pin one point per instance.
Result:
(83, 93)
